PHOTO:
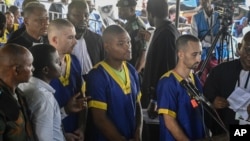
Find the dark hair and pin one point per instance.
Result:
(158, 8)
(112, 30)
(2, 23)
(172, 9)
(77, 4)
(13, 9)
(42, 55)
(183, 40)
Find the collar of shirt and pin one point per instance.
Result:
(41, 84)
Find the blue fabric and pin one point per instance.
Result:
(121, 107)
(203, 26)
(172, 96)
(64, 93)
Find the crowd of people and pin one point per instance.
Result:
(63, 80)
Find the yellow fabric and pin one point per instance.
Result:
(65, 79)
(177, 76)
(9, 2)
(168, 112)
(4, 39)
(97, 104)
(125, 87)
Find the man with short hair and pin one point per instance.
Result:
(114, 87)
(180, 115)
(89, 47)
(161, 55)
(15, 68)
(134, 24)
(45, 111)
(36, 22)
(69, 86)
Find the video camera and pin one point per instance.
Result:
(227, 9)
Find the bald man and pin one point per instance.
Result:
(15, 67)
(113, 85)
(61, 34)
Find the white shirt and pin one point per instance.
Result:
(45, 111)
(81, 52)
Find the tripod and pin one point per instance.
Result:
(222, 35)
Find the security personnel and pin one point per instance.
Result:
(133, 26)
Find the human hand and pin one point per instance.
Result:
(71, 137)
(144, 34)
(76, 104)
(220, 103)
(80, 134)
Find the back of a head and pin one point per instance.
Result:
(58, 24)
(112, 31)
(12, 54)
(2, 23)
(79, 4)
(31, 7)
(42, 55)
(158, 8)
(183, 40)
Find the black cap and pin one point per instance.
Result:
(126, 3)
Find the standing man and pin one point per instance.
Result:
(15, 68)
(134, 24)
(179, 119)
(161, 55)
(114, 88)
(225, 80)
(89, 46)
(36, 21)
(69, 86)
(205, 25)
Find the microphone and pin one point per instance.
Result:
(200, 96)
(194, 92)
(194, 99)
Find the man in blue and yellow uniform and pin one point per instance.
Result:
(114, 88)
(133, 25)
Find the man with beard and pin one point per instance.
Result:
(36, 22)
(179, 113)
(69, 86)
(89, 47)
(134, 24)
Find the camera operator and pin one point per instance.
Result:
(205, 25)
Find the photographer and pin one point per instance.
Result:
(205, 25)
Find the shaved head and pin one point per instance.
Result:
(12, 54)
(15, 64)
(56, 26)
(112, 31)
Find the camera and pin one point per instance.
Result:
(227, 9)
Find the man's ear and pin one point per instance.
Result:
(25, 21)
(45, 70)
(238, 52)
